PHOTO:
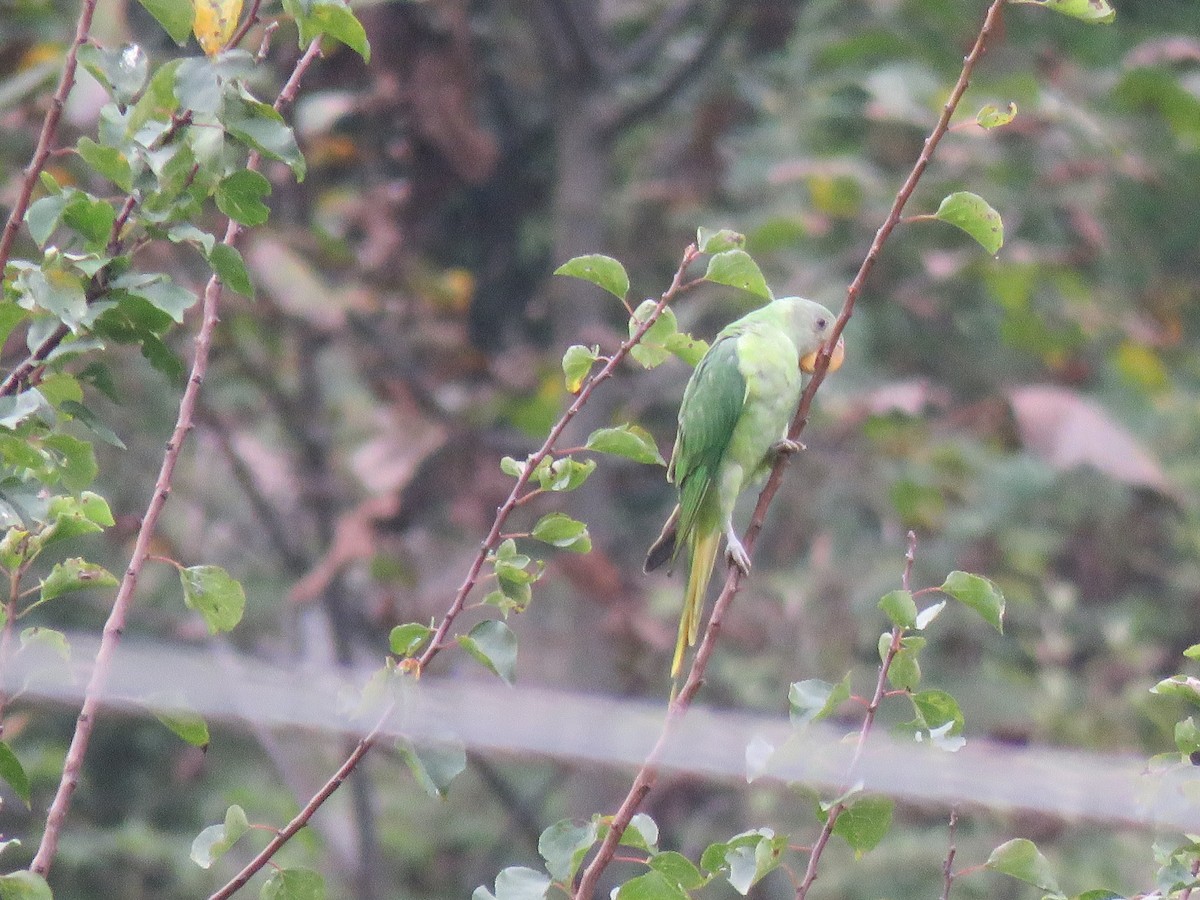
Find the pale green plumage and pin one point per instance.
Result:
(736, 410)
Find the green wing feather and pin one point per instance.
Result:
(712, 404)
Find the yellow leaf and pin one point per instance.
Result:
(215, 23)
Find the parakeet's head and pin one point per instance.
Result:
(812, 325)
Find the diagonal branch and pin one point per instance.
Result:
(650, 42)
(45, 142)
(673, 81)
(115, 625)
(648, 773)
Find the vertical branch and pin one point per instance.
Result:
(648, 771)
(115, 625)
(948, 865)
(45, 142)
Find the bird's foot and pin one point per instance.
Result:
(786, 447)
(736, 553)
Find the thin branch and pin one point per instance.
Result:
(650, 42)
(672, 82)
(45, 142)
(951, 850)
(115, 625)
(648, 773)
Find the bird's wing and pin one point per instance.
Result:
(712, 404)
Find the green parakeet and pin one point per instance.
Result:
(733, 421)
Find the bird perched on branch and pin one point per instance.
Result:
(733, 422)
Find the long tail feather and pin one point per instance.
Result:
(700, 569)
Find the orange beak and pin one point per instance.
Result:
(809, 362)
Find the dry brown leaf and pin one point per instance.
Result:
(1068, 430)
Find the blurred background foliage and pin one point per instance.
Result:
(1033, 417)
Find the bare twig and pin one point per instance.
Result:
(115, 624)
(648, 773)
(45, 142)
(951, 850)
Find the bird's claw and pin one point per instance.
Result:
(737, 555)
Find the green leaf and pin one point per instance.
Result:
(565, 474)
(979, 594)
(1094, 12)
(628, 440)
(158, 290)
(107, 161)
(516, 883)
(228, 265)
(1182, 687)
(492, 643)
(642, 833)
(91, 217)
(710, 240)
(433, 763)
(1187, 736)
(652, 350)
(936, 709)
(863, 823)
(736, 268)
(211, 843)
(577, 362)
(900, 607)
(564, 845)
(560, 530)
(47, 641)
(43, 217)
(691, 350)
(175, 16)
(813, 699)
(678, 869)
(261, 128)
(187, 726)
(337, 20)
(24, 886)
(1022, 860)
(651, 886)
(745, 859)
(1192, 652)
(975, 216)
(123, 70)
(602, 271)
(218, 598)
(992, 117)
(407, 639)
(293, 884)
(905, 671)
(13, 773)
(75, 575)
(240, 195)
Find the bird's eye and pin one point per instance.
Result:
(821, 323)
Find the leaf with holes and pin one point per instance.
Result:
(736, 268)
(628, 440)
(210, 591)
(975, 216)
